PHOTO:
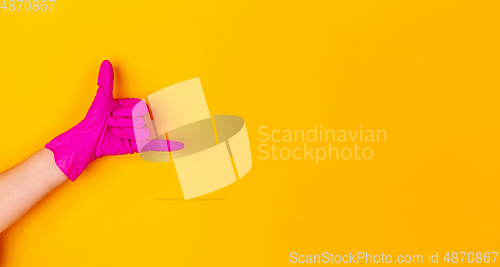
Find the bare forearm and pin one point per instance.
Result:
(22, 186)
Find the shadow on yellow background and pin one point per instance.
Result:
(424, 71)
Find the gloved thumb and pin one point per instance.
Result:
(105, 79)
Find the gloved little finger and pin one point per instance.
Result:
(159, 145)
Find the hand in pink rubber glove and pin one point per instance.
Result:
(107, 129)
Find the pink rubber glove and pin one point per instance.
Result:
(107, 129)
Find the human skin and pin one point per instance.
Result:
(24, 185)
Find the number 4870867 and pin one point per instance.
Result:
(471, 257)
(27, 5)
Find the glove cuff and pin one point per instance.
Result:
(66, 157)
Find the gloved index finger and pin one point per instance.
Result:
(132, 110)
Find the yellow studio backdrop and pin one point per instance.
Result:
(426, 72)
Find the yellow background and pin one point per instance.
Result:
(427, 72)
